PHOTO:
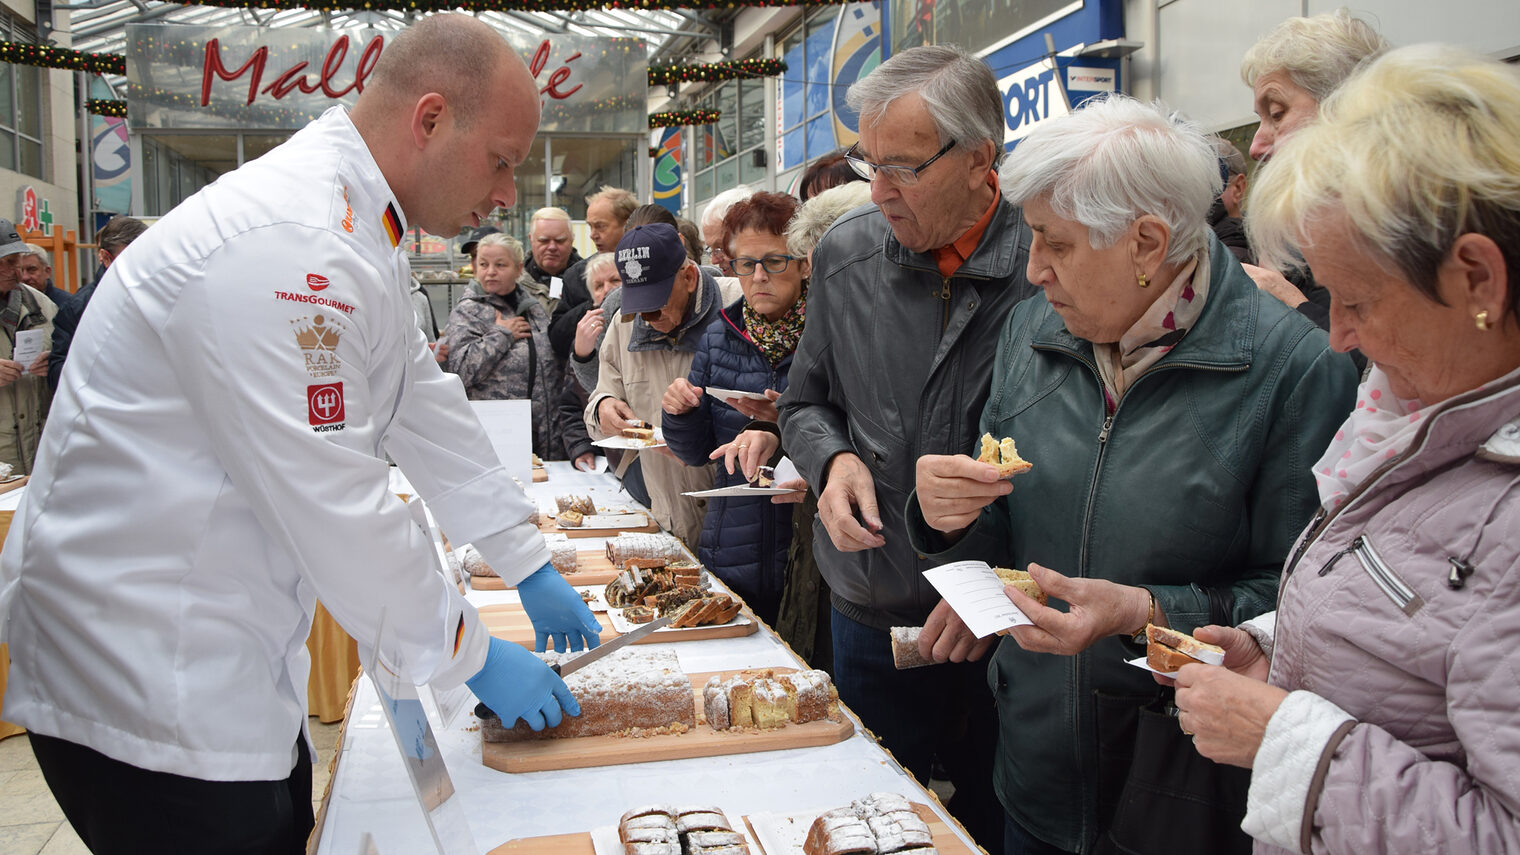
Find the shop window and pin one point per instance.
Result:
(975, 25)
(739, 132)
(834, 47)
(20, 108)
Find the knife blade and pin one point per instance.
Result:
(627, 638)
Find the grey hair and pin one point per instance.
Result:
(957, 88)
(1234, 162)
(1318, 53)
(818, 213)
(595, 262)
(717, 209)
(507, 242)
(1114, 161)
(34, 249)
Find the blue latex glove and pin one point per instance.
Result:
(557, 610)
(515, 684)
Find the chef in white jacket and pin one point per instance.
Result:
(215, 463)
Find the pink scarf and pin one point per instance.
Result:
(1378, 430)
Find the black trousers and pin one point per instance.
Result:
(120, 809)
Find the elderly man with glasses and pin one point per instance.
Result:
(907, 302)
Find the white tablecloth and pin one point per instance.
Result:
(370, 791)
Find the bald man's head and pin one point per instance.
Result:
(449, 114)
(456, 56)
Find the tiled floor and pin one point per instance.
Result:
(32, 824)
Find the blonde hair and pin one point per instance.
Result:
(622, 202)
(818, 213)
(511, 244)
(1414, 151)
(549, 214)
(1317, 53)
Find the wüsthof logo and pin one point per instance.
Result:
(324, 406)
(318, 337)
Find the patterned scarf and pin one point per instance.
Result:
(1159, 330)
(777, 339)
(1378, 430)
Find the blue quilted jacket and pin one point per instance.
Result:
(744, 540)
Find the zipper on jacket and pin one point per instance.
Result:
(1303, 543)
(1383, 576)
(944, 294)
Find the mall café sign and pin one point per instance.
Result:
(253, 78)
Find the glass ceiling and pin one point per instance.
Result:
(99, 25)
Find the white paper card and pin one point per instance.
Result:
(509, 424)
(725, 394)
(29, 345)
(740, 490)
(974, 591)
(556, 287)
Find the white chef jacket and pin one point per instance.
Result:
(214, 463)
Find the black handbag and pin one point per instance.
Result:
(1175, 801)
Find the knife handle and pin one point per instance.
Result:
(555, 669)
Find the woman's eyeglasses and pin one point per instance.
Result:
(744, 266)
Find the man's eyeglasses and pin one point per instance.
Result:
(902, 176)
(744, 266)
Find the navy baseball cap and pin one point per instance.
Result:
(648, 258)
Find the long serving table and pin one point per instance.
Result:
(369, 791)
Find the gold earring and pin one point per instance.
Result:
(1144, 282)
(1481, 319)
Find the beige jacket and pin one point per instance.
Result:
(639, 378)
(24, 403)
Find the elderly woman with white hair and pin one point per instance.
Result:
(1170, 410)
(1376, 706)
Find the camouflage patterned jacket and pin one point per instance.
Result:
(494, 366)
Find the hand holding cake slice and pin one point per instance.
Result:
(1004, 455)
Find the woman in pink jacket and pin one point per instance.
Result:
(1377, 706)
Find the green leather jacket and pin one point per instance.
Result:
(1195, 488)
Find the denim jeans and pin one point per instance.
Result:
(945, 710)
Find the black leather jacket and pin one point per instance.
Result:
(895, 362)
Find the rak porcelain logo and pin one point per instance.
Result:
(318, 338)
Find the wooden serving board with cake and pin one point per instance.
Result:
(591, 567)
(509, 622)
(579, 516)
(900, 826)
(637, 706)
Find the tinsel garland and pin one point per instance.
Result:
(679, 118)
(47, 56)
(102, 107)
(509, 5)
(664, 75)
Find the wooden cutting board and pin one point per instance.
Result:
(508, 621)
(701, 741)
(591, 568)
(643, 523)
(15, 485)
(580, 843)
(540, 475)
